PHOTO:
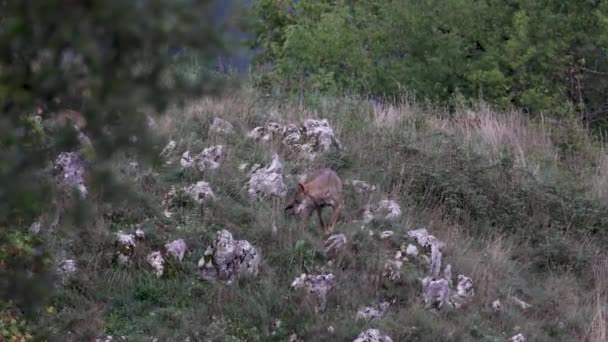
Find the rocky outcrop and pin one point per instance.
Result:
(69, 169)
(306, 141)
(267, 181)
(373, 335)
(317, 286)
(228, 259)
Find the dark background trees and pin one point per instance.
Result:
(542, 56)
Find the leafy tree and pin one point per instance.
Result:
(108, 60)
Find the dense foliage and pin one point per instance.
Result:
(539, 55)
(108, 60)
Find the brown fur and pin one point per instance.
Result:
(319, 189)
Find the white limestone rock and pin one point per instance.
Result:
(228, 259)
(156, 260)
(436, 292)
(176, 249)
(268, 181)
(518, 338)
(317, 286)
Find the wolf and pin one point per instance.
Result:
(319, 189)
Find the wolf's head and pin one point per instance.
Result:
(299, 201)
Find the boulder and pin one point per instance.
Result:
(176, 249)
(228, 259)
(435, 292)
(317, 286)
(268, 181)
(373, 335)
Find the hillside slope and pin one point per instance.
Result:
(520, 207)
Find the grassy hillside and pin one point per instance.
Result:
(520, 205)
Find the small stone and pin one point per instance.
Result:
(386, 234)
(370, 313)
(518, 338)
(140, 234)
(523, 305)
(411, 251)
(35, 227)
(169, 148)
(496, 305)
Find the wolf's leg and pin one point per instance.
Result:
(320, 214)
(335, 214)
